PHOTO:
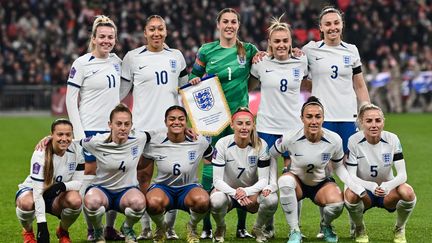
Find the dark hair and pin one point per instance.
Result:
(330, 9)
(312, 101)
(119, 108)
(175, 107)
(48, 171)
(241, 52)
(154, 16)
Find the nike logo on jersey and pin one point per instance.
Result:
(319, 58)
(295, 154)
(230, 160)
(160, 157)
(360, 157)
(105, 154)
(268, 71)
(93, 72)
(141, 67)
(213, 62)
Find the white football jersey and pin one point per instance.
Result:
(64, 166)
(331, 71)
(374, 161)
(280, 104)
(97, 82)
(309, 160)
(177, 163)
(155, 77)
(116, 163)
(65, 170)
(240, 167)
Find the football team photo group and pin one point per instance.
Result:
(130, 164)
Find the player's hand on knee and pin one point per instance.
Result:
(42, 233)
(266, 192)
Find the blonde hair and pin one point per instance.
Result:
(241, 51)
(48, 171)
(101, 20)
(363, 109)
(276, 24)
(255, 140)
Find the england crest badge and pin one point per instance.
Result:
(204, 99)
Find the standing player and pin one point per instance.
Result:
(155, 72)
(95, 79)
(241, 171)
(229, 59)
(52, 186)
(280, 75)
(337, 78)
(176, 185)
(312, 148)
(115, 186)
(372, 154)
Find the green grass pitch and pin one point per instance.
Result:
(414, 130)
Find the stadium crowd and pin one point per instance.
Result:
(40, 39)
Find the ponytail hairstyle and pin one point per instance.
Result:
(276, 24)
(119, 108)
(241, 51)
(330, 9)
(48, 170)
(363, 109)
(255, 140)
(312, 101)
(101, 20)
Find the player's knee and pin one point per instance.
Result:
(218, 201)
(155, 205)
(74, 201)
(270, 203)
(93, 202)
(286, 183)
(200, 203)
(351, 197)
(136, 203)
(25, 204)
(406, 192)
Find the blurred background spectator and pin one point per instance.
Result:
(41, 38)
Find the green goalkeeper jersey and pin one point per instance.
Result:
(232, 71)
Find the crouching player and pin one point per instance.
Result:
(240, 172)
(176, 184)
(52, 186)
(373, 153)
(115, 186)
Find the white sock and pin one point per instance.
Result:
(95, 217)
(267, 208)
(68, 216)
(25, 218)
(110, 218)
(404, 210)
(158, 219)
(355, 211)
(299, 207)
(331, 211)
(170, 218)
(219, 207)
(288, 200)
(195, 218)
(132, 216)
(145, 221)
